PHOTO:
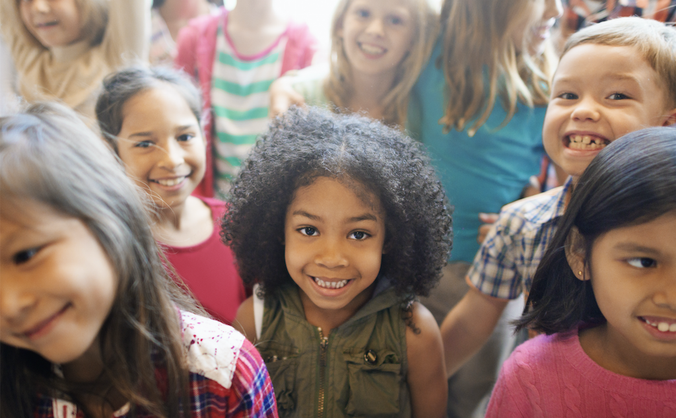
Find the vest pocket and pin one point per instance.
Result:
(374, 384)
(281, 363)
(282, 371)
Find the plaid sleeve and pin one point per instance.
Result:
(251, 392)
(495, 269)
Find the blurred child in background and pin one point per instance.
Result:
(378, 49)
(235, 56)
(62, 49)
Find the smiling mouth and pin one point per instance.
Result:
(586, 142)
(47, 24)
(330, 284)
(661, 326)
(170, 182)
(39, 327)
(371, 49)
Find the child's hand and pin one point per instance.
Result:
(282, 97)
(488, 220)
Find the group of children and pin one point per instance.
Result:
(339, 221)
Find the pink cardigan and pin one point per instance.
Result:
(196, 45)
(552, 377)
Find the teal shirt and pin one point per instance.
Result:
(480, 173)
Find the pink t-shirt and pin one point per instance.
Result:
(552, 376)
(208, 269)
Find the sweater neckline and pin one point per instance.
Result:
(572, 350)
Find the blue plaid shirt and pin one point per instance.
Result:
(506, 262)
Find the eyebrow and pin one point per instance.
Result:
(178, 129)
(143, 134)
(364, 217)
(630, 247)
(612, 76)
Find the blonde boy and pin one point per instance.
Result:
(613, 78)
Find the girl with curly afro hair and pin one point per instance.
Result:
(342, 222)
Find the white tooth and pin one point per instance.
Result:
(663, 326)
(370, 49)
(575, 138)
(672, 327)
(333, 285)
(586, 139)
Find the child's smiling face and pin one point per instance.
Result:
(53, 22)
(161, 145)
(333, 237)
(377, 35)
(58, 284)
(633, 274)
(600, 93)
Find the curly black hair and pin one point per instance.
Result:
(303, 145)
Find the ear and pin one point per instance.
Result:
(671, 118)
(575, 254)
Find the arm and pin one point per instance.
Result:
(467, 327)
(283, 96)
(244, 321)
(487, 219)
(127, 37)
(251, 393)
(426, 380)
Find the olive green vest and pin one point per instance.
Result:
(359, 371)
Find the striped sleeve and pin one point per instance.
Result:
(251, 393)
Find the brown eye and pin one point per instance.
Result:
(24, 256)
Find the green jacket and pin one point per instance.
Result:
(359, 371)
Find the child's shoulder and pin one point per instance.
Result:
(213, 348)
(536, 209)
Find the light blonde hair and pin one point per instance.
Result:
(93, 18)
(655, 42)
(338, 86)
(481, 62)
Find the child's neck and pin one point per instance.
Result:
(368, 93)
(611, 351)
(328, 319)
(253, 26)
(184, 225)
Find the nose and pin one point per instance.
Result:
(375, 27)
(586, 110)
(330, 254)
(553, 9)
(665, 295)
(40, 6)
(15, 300)
(173, 155)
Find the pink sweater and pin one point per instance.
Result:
(552, 376)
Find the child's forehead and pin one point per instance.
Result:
(351, 185)
(589, 60)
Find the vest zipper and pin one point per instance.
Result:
(323, 345)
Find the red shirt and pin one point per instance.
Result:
(208, 269)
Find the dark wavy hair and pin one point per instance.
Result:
(303, 145)
(630, 182)
(48, 155)
(121, 86)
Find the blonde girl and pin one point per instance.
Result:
(378, 49)
(62, 49)
(90, 323)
